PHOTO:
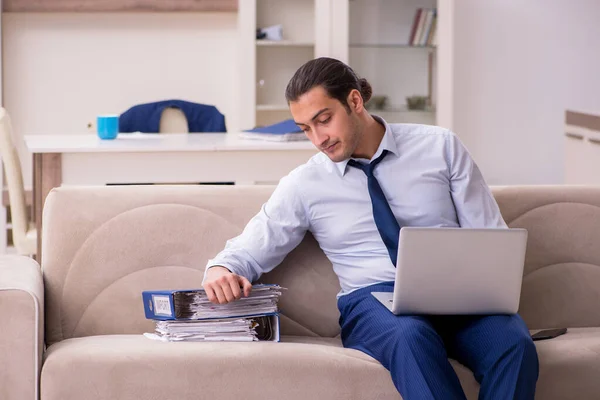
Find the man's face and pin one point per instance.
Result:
(327, 123)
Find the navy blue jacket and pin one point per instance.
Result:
(146, 117)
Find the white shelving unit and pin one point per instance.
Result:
(370, 35)
(379, 51)
(268, 65)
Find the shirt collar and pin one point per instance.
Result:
(387, 143)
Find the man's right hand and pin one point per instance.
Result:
(223, 286)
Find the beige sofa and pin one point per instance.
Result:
(103, 246)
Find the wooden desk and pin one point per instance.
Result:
(153, 158)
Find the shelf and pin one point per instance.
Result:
(393, 109)
(400, 109)
(272, 107)
(388, 46)
(119, 5)
(283, 43)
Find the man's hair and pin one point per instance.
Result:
(337, 78)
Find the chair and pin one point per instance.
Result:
(173, 120)
(183, 116)
(24, 232)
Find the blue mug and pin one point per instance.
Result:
(107, 126)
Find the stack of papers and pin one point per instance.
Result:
(283, 131)
(216, 330)
(195, 304)
(188, 315)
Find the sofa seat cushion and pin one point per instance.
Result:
(133, 367)
(570, 365)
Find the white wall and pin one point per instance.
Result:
(517, 66)
(61, 70)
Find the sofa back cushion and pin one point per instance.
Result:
(104, 245)
(561, 282)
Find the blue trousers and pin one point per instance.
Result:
(415, 349)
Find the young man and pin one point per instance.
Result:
(369, 179)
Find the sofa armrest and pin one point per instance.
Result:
(21, 327)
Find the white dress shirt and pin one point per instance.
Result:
(428, 178)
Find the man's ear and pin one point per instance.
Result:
(355, 101)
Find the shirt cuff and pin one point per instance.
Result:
(225, 262)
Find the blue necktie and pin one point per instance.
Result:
(388, 227)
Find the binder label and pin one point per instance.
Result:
(162, 305)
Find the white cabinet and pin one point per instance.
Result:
(582, 158)
(267, 65)
(582, 149)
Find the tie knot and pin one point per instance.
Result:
(368, 168)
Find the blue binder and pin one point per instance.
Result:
(283, 127)
(160, 305)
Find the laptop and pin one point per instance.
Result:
(446, 271)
